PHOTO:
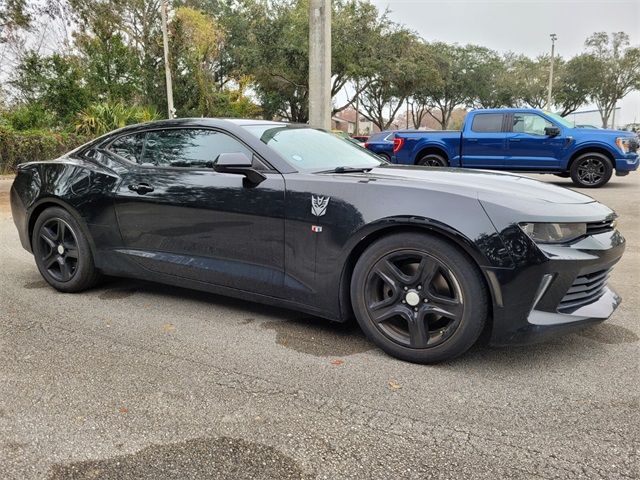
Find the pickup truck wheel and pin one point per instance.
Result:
(432, 160)
(418, 297)
(591, 170)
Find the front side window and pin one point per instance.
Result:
(487, 122)
(530, 123)
(188, 147)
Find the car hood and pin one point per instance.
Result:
(604, 133)
(483, 184)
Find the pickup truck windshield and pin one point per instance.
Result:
(311, 150)
(557, 118)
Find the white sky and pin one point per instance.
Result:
(522, 26)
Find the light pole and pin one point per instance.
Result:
(554, 37)
(320, 63)
(167, 70)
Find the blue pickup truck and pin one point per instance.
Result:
(523, 140)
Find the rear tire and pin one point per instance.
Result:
(591, 170)
(418, 298)
(432, 160)
(385, 157)
(62, 252)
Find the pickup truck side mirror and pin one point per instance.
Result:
(238, 163)
(552, 131)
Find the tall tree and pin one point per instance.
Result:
(390, 83)
(617, 67)
(576, 81)
(493, 79)
(531, 79)
(54, 83)
(454, 84)
(195, 47)
(112, 71)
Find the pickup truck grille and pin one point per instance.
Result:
(585, 289)
(594, 228)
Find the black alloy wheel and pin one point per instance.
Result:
(58, 249)
(418, 297)
(413, 298)
(62, 252)
(591, 170)
(432, 160)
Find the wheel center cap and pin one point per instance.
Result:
(60, 249)
(412, 298)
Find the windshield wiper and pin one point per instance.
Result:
(347, 170)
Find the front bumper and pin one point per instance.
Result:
(563, 288)
(627, 163)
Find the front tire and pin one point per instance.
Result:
(418, 298)
(62, 251)
(591, 170)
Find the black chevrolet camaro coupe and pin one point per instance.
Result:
(424, 258)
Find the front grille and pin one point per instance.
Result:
(585, 289)
(594, 228)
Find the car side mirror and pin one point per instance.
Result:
(551, 131)
(238, 163)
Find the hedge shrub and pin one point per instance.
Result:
(32, 145)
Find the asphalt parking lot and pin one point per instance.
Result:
(137, 380)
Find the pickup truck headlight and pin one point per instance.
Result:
(554, 232)
(626, 144)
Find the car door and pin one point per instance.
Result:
(179, 217)
(529, 147)
(484, 142)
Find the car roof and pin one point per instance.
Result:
(505, 110)
(200, 121)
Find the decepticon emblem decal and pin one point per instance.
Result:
(319, 205)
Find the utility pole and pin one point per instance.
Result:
(320, 63)
(407, 114)
(554, 37)
(167, 71)
(357, 108)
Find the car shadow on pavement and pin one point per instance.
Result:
(323, 338)
(294, 330)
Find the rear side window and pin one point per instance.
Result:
(487, 122)
(129, 147)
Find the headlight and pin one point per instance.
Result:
(554, 232)
(623, 144)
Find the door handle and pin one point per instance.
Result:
(472, 139)
(141, 188)
(514, 139)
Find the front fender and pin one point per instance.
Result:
(486, 248)
(582, 146)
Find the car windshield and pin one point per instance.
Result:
(311, 150)
(561, 120)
